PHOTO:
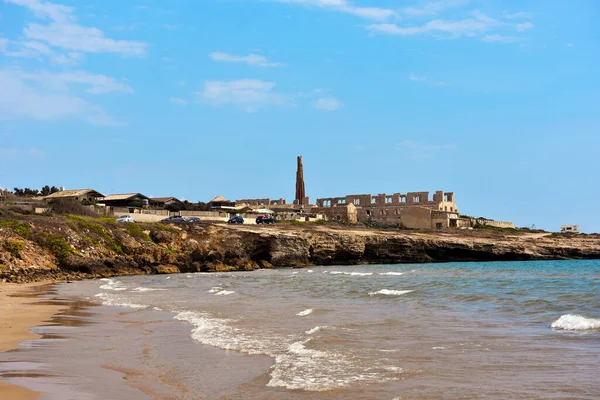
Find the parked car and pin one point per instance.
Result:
(173, 218)
(236, 220)
(125, 218)
(193, 220)
(265, 219)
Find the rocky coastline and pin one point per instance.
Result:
(35, 248)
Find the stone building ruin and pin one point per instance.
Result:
(413, 210)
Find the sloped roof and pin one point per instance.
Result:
(74, 193)
(219, 199)
(125, 196)
(164, 199)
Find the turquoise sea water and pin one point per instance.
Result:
(506, 330)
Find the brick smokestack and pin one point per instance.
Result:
(300, 192)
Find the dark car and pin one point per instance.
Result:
(173, 218)
(236, 220)
(265, 219)
(193, 220)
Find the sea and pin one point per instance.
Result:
(493, 330)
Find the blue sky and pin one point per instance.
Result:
(498, 101)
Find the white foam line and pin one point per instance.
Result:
(224, 293)
(305, 312)
(574, 322)
(389, 292)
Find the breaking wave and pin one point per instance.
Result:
(145, 289)
(388, 292)
(351, 273)
(574, 322)
(305, 312)
(315, 330)
(224, 293)
(111, 300)
(392, 273)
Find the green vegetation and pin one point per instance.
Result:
(56, 244)
(298, 223)
(14, 247)
(2, 266)
(137, 232)
(20, 228)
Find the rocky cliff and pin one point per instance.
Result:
(59, 248)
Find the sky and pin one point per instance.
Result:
(497, 101)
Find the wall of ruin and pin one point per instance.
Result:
(261, 202)
(346, 213)
(496, 224)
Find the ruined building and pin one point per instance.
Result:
(412, 210)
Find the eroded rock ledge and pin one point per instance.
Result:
(60, 248)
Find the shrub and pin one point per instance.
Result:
(134, 230)
(56, 244)
(14, 247)
(68, 206)
(19, 228)
(298, 223)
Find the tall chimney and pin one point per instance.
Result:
(300, 192)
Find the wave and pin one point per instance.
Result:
(389, 292)
(296, 366)
(305, 312)
(310, 270)
(215, 289)
(351, 273)
(111, 284)
(315, 330)
(224, 293)
(145, 289)
(110, 300)
(574, 322)
(392, 273)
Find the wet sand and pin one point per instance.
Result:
(20, 311)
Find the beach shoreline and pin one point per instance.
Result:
(19, 312)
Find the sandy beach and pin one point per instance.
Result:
(19, 311)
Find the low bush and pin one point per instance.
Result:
(56, 244)
(134, 230)
(19, 228)
(72, 207)
(14, 247)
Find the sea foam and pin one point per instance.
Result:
(224, 293)
(110, 300)
(392, 273)
(305, 312)
(388, 292)
(315, 330)
(574, 322)
(351, 273)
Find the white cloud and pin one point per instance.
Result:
(251, 59)
(424, 79)
(3, 44)
(524, 26)
(178, 101)
(501, 39)
(35, 49)
(249, 94)
(433, 7)
(344, 6)
(519, 15)
(328, 104)
(63, 31)
(466, 27)
(23, 99)
(96, 84)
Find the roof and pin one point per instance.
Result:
(126, 196)
(219, 199)
(163, 199)
(74, 193)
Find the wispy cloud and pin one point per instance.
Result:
(501, 39)
(94, 83)
(64, 32)
(524, 26)
(328, 104)
(251, 95)
(35, 49)
(23, 97)
(251, 59)
(424, 79)
(433, 7)
(177, 100)
(344, 6)
(519, 15)
(478, 23)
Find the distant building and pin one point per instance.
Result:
(77, 195)
(220, 202)
(569, 229)
(125, 200)
(163, 202)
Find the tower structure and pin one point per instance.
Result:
(300, 192)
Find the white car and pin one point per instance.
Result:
(125, 218)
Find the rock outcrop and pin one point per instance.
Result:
(60, 248)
